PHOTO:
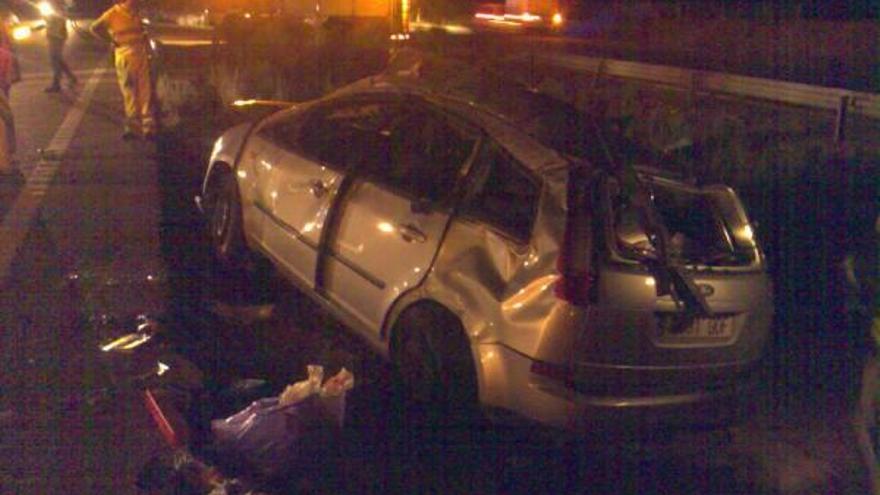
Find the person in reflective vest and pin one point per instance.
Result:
(125, 27)
(8, 171)
(8, 75)
(10, 72)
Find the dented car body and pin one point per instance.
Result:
(579, 289)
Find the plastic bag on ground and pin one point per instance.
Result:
(333, 395)
(306, 388)
(267, 436)
(273, 434)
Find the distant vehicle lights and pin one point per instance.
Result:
(21, 33)
(526, 18)
(509, 18)
(46, 9)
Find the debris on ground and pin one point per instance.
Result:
(268, 436)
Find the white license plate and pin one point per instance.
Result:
(704, 329)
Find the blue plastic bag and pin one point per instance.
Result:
(271, 434)
(268, 436)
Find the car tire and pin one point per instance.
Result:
(434, 368)
(224, 221)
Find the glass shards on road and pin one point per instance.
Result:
(147, 328)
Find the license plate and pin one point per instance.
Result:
(711, 328)
(700, 329)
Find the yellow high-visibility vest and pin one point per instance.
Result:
(124, 25)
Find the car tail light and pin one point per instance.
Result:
(575, 263)
(573, 287)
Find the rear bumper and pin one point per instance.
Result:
(508, 383)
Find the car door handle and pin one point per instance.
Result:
(317, 188)
(411, 233)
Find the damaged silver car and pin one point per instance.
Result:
(502, 249)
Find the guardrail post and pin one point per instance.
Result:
(600, 73)
(840, 125)
(697, 85)
(532, 76)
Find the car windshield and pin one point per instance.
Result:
(697, 222)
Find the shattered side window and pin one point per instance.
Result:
(427, 154)
(506, 195)
(351, 134)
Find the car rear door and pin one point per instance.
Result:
(396, 212)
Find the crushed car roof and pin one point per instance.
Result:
(558, 126)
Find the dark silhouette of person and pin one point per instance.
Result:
(56, 35)
(827, 295)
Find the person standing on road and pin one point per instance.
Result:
(56, 35)
(9, 70)
(125, 27)
(8, 170)
(9, 74)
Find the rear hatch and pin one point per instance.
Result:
(679, 301)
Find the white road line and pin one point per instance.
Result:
(31, 75)
(18, 219)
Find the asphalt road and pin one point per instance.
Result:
(79, 246)
(103, 231)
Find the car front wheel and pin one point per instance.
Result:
(224, 221)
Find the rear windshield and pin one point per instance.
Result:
(703, 227)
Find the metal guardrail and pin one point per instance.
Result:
(841, 100)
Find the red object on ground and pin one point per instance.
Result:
(196, 472)
(165, 427)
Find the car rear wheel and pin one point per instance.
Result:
(434, 367)
(224, 221)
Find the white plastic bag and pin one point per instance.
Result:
(332, 395)
(338, 384)
(306, 388)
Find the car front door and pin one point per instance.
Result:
(396, 212)
(302, 181)
(257, 157)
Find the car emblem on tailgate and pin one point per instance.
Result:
(706, 290)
